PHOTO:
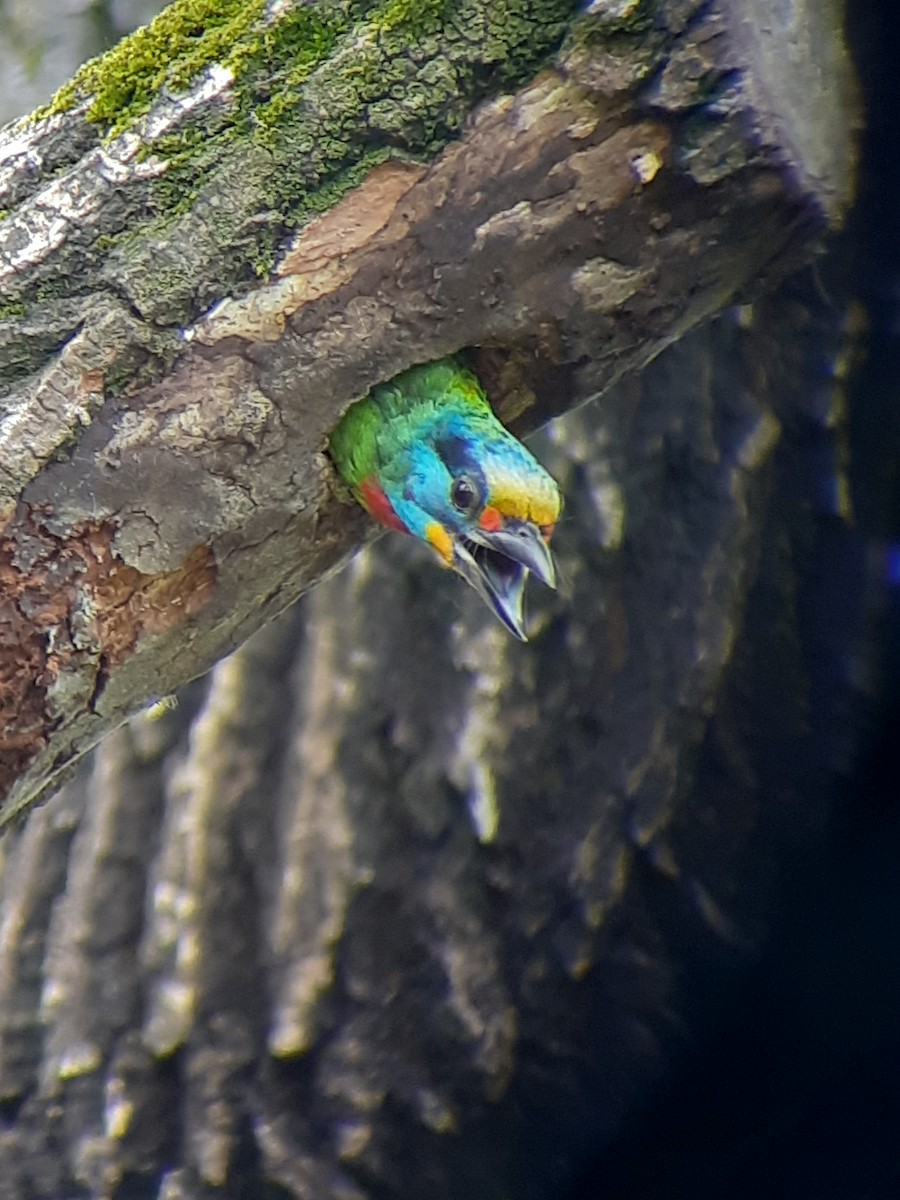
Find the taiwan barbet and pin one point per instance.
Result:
(425, 455)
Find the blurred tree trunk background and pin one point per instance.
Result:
(391, 905)
(42, 43)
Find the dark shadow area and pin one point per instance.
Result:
(796, 1091)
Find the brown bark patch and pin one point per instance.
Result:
(353, 221)
(68, 605)
(127, 603)
(318, 262)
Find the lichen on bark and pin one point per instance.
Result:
(253, 117)
(180, 403)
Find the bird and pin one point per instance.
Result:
(425, 455)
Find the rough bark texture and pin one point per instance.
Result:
(162, 482)
(393, 905)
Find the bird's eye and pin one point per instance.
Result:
(464, 494)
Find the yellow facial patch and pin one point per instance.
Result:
(437, 536)
(536, 500)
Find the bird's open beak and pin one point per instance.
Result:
(496, 563)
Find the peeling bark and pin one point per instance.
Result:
(78, 587)
(158, 398)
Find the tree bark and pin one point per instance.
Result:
(392, 905)
(188, 310)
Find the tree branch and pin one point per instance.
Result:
(163, 486)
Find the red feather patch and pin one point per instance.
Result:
(373, 497)
(491, 519)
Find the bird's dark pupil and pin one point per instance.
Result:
(463, 494)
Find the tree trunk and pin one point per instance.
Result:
(391, 905)
(213, 241)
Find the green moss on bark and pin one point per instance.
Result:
(170, 52)
(320, 92)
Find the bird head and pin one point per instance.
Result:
(447, 472)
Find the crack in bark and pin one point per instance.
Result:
(70, 611)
